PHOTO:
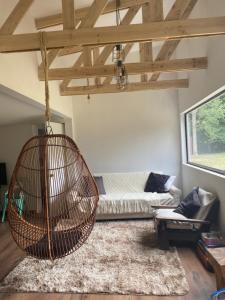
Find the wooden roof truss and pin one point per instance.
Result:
(93, 45)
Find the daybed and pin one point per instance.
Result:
(125, 197)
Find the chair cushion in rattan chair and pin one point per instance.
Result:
(56, 238)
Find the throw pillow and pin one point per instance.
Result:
(189, 206)
(156, 183)
(169, 183)
(100, 184)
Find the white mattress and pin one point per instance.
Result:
(123, 203)
(125, 182)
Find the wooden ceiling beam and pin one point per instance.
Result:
(176, 65)
(52, 54)
(96, 53)
(87, 57)
(15, 17)
(87, 60)
(181, 9)
(131, 87)
(77, 64)
(68, 23)
(107, 50)
(151, 12)
(145, 49)
(156, 11)
(153, 31)
(81, 13)
(68, 15)
(88, 22)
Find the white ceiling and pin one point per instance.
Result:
(42, 8)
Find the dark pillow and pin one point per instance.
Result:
(156, 183)
(189, 206)
(100, 184)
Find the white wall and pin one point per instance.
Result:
(129, 131)
(202, 84)
(13, 137)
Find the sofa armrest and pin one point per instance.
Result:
(175, 192)
(181, 220)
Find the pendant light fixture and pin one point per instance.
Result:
(118, 56)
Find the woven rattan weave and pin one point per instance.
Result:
(60, 198)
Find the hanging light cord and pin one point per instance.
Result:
(88, 84)
(45, 67)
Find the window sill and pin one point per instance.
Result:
(204, 170)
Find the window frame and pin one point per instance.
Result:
(211, 97)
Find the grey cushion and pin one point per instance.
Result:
(170, 214)
(206, 200)
(190, 205)
(100, 184)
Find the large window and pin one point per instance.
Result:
(205, 134)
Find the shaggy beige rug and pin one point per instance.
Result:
(119, 257)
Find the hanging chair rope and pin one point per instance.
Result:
(45, 67)
(47, 116)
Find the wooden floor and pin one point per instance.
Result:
(202, 283)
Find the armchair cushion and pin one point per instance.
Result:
(190, 205)
(168, 213)
(176, 221)
(207, 199)
(100, 185)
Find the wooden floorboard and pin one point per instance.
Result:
(201, 282)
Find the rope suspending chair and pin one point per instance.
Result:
(60, 194)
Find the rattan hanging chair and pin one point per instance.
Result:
(59, 194)
(60, 198)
